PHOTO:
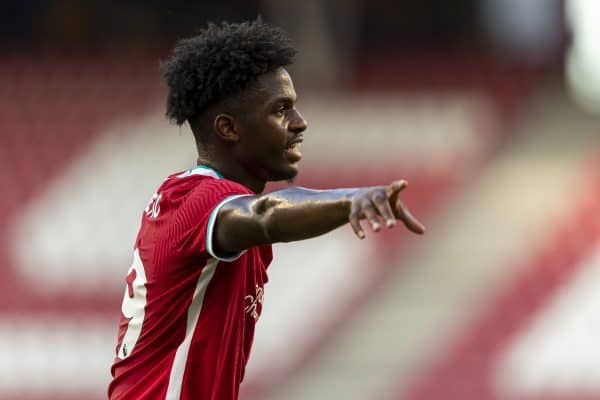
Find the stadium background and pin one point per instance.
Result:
(485, 106)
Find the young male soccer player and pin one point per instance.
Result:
(195, 289)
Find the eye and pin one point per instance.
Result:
(280, 111)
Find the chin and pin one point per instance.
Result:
(288, 173)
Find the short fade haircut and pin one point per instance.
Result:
(220, 62)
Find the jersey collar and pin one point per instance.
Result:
(201, 169)
(206, 168)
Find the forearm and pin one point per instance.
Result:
(281, 216)
(298, 213)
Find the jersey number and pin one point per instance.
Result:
(134, 305)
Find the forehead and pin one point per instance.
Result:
(276, 84)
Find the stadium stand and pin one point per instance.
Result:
(469, 369)
(83, 136)
(530, 335)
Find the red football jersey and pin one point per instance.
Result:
(188, 314)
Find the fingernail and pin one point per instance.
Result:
(390, 223)
(361, 235)
(376, 226)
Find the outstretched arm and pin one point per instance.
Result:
(298, 213)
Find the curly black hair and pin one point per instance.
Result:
(220, 62)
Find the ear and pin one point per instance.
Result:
(226, 128)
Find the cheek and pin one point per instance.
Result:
(272, 150)
(267, 138)
(274, 137)
(264, 149)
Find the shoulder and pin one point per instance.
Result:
(222, 186)
(216, 190)
(202, 189)
(202, 181)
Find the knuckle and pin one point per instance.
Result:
(379, 197)
(367, 205)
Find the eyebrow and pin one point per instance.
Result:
(284, 99)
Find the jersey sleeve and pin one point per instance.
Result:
(199, 214)
(210, 229)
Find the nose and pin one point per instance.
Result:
(297, 124)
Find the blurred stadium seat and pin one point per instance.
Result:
(512, 350)
(497, 302)
(85, 146)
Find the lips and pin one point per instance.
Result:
(296, 140)
(292, 151)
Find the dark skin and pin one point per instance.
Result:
(260, 144)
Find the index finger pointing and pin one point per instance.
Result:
(395, 187)
(409, 220)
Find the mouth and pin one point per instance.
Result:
(292, 151)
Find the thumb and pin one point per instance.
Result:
(395, 187)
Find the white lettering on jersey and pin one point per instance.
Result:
(253, 302)
(134, 305)
(153, 208)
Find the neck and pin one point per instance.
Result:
(235, 172)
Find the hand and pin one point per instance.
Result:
(381, 203)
